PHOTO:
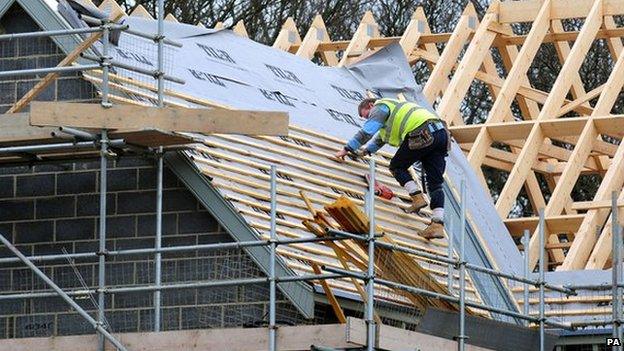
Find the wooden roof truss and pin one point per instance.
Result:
(568, 114)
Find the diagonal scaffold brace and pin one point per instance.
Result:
(63, 295)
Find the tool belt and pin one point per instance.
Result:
(422, 136)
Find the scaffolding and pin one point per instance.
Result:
(104, 143)
(331, 273)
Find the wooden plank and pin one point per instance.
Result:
(415, 28)
(438, 80)
(15, 128)
(570, 36)
(610, 182)
(316, 34)
(566, 127)
(392, 265)
(556, 129)
(557, 224)
(551, 106)
(343, 257)
(112, 8)
(593, 205)
(500, 41)
(526, 11)
(602, 252)
(511, 84)
(509, 54)
(177, 119)
(330, 296)
(367, 29)
(239, 28)
(410, 39)
(171, 18)
(141, 12)
(561, 193)
(290, 338)
(569, 107)
(584, 240)
(468, 67)
(519, 130)
(563, 51)
(287, 36)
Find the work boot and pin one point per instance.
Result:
(418, 202)
(435, 230)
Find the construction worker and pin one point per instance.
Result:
(420, 136)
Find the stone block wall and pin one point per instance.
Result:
(27, 53)
(52, 208)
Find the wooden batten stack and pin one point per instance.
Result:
(395, 266)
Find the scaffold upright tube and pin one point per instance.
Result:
(158, 239)
(542, 248)
(616, 248)
(461, 338)
(161, 51)
(525, 291)
(272, 258)
(370, 283)
(105, 62)
(102, 236)
(449, 252)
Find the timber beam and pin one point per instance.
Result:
(176, 119)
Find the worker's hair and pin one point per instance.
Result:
(365, 103)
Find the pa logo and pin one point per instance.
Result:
(614, 342)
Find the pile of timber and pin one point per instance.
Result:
(390, 265)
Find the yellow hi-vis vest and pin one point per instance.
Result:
(404, 118)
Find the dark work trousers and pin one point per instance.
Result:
(433, 159)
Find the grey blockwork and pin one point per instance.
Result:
(41, 229)
(26, 53)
